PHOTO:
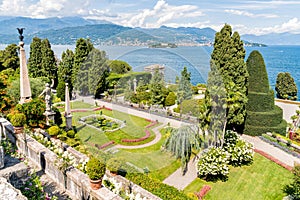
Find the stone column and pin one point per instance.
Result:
(68, 114)
(1, 147)
(134, 85)
(25, 91)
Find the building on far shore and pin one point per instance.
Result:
(153, 68)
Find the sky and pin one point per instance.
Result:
(245, 16)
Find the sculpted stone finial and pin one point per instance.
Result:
(20, 30)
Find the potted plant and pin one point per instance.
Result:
(18, 120)
(114, 165)
(95, 169)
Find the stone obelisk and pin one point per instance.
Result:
(68, 114)
(25, 91)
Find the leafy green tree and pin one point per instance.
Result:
(119, 67)
(37, 85)
(35, 58)
(181, 142)
(228, 57)
(65, 71)
(157, 88)
(5, 98)
(9, 57)
(286, 87)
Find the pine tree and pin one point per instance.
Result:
(35, 58)
(157, 87)
(184, 90)
(228, 57)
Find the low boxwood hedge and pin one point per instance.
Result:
(161, 190)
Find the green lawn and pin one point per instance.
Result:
(262, 180)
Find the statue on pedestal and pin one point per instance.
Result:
(20, 30)
(47, 93)
(48, 113)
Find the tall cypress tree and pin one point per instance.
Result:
(9, 57)
(49, 68)
(65, 70)
(184, 89)
(35, 58)
(228, 58)
(157, 87)
(82, 50)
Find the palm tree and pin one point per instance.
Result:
(181, 143)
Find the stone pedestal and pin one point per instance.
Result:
(68, 122)
(1, 157)
(49, 117)
(25, 91)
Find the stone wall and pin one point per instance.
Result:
(73, 181)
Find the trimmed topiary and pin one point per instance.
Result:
(53, 130)
(262, 114)
(18, 119)
(95, 169)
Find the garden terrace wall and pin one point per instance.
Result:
(75, 183)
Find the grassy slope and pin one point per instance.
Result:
(262, 180)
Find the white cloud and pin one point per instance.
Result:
(10, 7)
(291, 26)
(249, 14)
(160, 14)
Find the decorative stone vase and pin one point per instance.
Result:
(96, 184)
(19, 129)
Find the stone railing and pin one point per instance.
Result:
(73, 181)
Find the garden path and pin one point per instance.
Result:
(275, 152)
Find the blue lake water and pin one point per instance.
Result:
(196, 59)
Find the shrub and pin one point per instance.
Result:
(156, 187)
(170, 99)
(57, 117)
(293, 189)
(213, 165)
(18, 119)
(95, 169)
(53, 130)
(71, 133)
(240, 154)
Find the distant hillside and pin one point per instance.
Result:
(67, 30)
(274, 38)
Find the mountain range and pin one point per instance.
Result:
(67, 30)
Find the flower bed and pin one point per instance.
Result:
(138, 139)
(282, 146)
(107, 144)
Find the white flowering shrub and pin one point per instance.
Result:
(241, 153)
(213, 165)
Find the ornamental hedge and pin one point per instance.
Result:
(262, 115)
(159, 189)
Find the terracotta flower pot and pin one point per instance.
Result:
(19, 129)
(95, 184)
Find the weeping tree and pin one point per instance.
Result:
(181, 142)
